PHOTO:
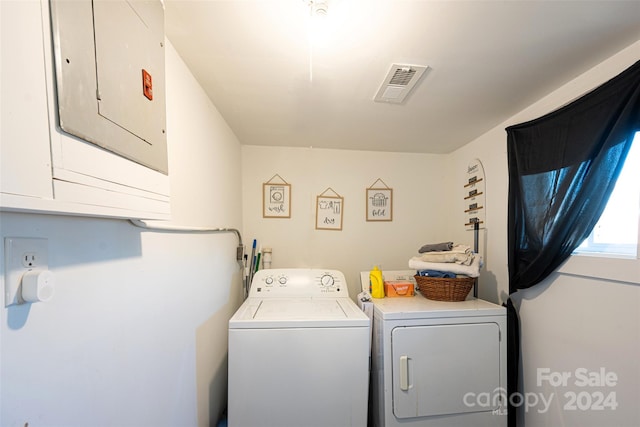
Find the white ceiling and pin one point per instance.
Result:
(488, 60)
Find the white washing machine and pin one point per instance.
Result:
(298, 353)
(437, 364)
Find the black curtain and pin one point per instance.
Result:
(562, 169)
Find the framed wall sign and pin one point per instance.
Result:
(379, 202)
(329, 209)
(276, 198)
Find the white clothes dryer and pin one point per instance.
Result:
(437, 364)
(298, 353)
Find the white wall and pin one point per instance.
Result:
(421, 212)
(136, 334)
(569, 321)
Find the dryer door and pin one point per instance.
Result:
(443, 369)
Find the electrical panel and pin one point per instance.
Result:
(110, 76)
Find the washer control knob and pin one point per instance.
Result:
(269, 280)
(327, 280)
(282, 280)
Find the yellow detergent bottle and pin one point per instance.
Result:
(376, 283)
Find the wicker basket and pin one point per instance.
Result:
(441, 289)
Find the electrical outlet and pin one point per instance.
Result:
(22, 254)
(30, 259)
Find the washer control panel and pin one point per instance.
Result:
(298, 282)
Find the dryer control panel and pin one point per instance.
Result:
(298, 282)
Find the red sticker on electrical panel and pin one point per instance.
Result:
(147, 85)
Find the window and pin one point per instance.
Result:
(616, 233)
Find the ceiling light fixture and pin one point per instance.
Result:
(318, 11)
(318, 7)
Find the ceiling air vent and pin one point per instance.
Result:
(400, 80)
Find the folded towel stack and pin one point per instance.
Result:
(460, 254)
(457, 259)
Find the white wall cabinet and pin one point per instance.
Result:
(42, 168)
